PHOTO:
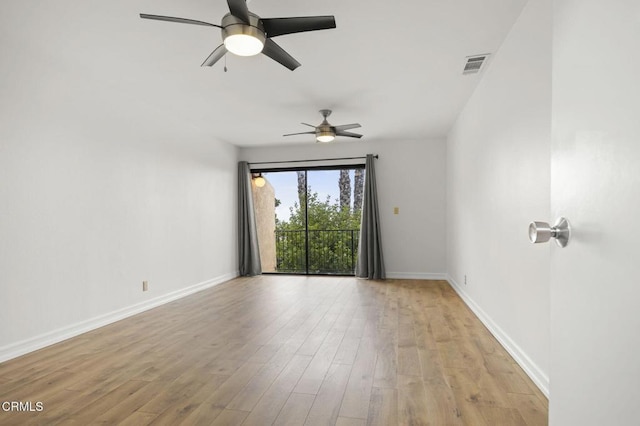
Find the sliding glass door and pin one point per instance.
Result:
(309, 220)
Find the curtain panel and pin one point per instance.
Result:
(370, 262)
(248, 250)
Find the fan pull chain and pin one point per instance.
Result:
(225, 63)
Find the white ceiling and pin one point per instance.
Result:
(394, 67)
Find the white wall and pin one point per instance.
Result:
(498, 173)
(93, 202)
(84, 220)
(411, 176)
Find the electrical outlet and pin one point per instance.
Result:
(145, 285)
(465, 279)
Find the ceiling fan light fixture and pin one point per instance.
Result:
(325, 136)
(243, 39)
(243, 44)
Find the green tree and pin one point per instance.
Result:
(333, 237)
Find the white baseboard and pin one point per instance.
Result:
(416, 276)
(17, 349)
(533, 371)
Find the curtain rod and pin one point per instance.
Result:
(309, 161)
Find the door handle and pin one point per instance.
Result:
(541, 232)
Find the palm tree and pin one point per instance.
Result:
(345, 189)
(302, 187)
(358, 188)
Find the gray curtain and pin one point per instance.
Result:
(248, 250)
(370, 263)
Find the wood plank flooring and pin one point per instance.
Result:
(283, 350)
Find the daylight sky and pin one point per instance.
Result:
(285, 184)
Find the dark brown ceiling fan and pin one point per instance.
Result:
(246, 34)
(325, 132)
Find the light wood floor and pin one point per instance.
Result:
(283, 350)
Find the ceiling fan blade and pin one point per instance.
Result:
(215, 56)
(302, 133)
(239, 9)
(279, 26)
(310, 125)
(347, 127)
(348, 134)
(278, 54)
(178, 20)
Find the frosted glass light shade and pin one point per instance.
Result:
(260, 181)
(325, 136)
(243, 38)
(243, 44)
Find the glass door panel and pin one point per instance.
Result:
(333, 223)
(309, 220)
(281, 221)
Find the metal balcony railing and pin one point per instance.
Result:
(329, 251)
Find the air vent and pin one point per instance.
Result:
(473, 64)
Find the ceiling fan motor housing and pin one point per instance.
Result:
(325, 132)
(233, 26)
